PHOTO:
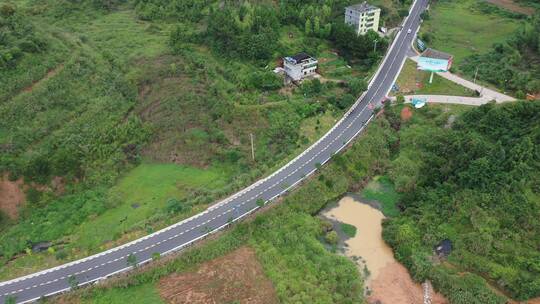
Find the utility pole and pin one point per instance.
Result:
(375, 47)
(252, 147)
(475, 75)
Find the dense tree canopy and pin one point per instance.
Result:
(477, 184)
(17, 36)
(246, 31)
(363, 48)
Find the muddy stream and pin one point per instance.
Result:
(386, 281)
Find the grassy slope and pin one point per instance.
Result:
(33, 68)
(382, 190)
(282, 234)
(287, 237)
(149, 186)
(461, 31)
(111, 57)
(460, 212)
(288, 224)
(138, 196)
(412, 81)
(142, 294)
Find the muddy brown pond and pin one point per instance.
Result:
(388, 281)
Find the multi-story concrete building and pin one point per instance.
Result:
(299, 66)
(363, 17)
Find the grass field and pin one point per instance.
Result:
(391, 18)
(114, 91)
(287, 240)
(138, 197)
(412, 81)
(458, 29)
(141, 294)
(131, 38)
(313, 128)
(382, 190)
(287, 237)
(141, 194)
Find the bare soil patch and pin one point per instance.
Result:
(512, 6)
(531, 301)
(406, 114)
(234, 278)
(11, 196)
(394, 285)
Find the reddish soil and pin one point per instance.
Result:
(394, 285)
(406, 114)
(235, 278)
(512, 6)
(531, 301)
(11, 196)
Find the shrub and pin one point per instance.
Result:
(332, 237)
(357, 86)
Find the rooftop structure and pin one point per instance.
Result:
(363, 7)
(300, 66)
(431, 53)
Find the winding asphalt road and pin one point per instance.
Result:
(101, 266)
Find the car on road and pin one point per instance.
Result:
(409, 31)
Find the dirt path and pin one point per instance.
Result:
(47, 76)
(531, 301)
(485, 93)
(394, 285)
(389, 281)
(234, 278)
(462, 100)
(11, 196)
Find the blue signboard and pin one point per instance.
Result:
(433, 64)
(421, 45)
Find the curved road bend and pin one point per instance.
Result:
(97, 267)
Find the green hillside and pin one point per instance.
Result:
(445, 191)
(98, 96)
(476, 184)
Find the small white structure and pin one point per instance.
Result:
(363, 17)
(300, 66)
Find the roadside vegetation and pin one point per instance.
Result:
(289, 239)
(513, 65)
(475, 184)
(105, 97)
(500, 44)
(435, 166)
(412, 81)
(102, 97)
(461, 29)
